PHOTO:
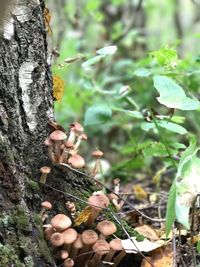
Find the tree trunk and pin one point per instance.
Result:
(26, 106)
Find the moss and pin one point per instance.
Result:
(8, 257)
(21, 220)
(33, 186)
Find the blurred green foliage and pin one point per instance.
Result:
(112, 90)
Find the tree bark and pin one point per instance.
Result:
(26, 106)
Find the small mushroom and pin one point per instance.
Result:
(76, 246)
(49, 143)
(46, 205)
(97, 154)
(70, 235)
(89, 238)
(60, 222)
(68, 263)
(114, 199)
(97, 203)
(75, 129)
(48, 231)
(79, 140)
(106, 228)
(76, 161)
(57, 137)
(57, 239)
(101, 247)
(64, 254)
(44, 170)
(115, 245)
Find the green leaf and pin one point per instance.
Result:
(97, 114)
(92, 61)
(108, 50)
(173, 127)
(142, 72)
(170, 214)
(172, 95)
(166, 56)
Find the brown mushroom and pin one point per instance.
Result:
(76, 246)
(106, 228)
(79, 140)
(48, 231)
(101, 247)
(46, 205)
(89, 238)
(60, 222)
(49, 143)
(64, 254)
(57, 239)
(68, 263)
(75, 129)
(76, 161)
(44, 170)
(70, 235)
(97, 203)
(97, 154)
(57, 137)
(115, 245)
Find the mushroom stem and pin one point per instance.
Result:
(57, 150)
(119, 257)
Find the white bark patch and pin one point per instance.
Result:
(23, 13)
(8, 28)
(25, 80)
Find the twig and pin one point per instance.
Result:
(110, 190)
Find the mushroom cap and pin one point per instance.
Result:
(48, 231)
(60, 222)
(106, 228)
(69, 144)
(97, 153)
(116, 244)
(57, 239)
(58, 135)
(48, 142)
(77, 127)
(101, 247)
(70, 235)
(89, 237)
(46, 205)
(100, 201)
(83, 136)
(45, 169)
(78, 242)
(76, 161)
(64, 254)
(68, 263)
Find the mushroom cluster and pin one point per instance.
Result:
(63, 148)
(85, 246)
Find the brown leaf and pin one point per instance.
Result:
(147, 231)
(160, 257)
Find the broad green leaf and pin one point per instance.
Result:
(142, 72)
(172, 95)
(92, 61)
(108, 50)
(170, 214)
(173, 127)
(97, 114)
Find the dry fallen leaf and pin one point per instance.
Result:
(160, 257)
(139, 192)
(83, 216)
(58, 87)
(147, 231)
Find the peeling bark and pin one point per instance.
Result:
(26, 106)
